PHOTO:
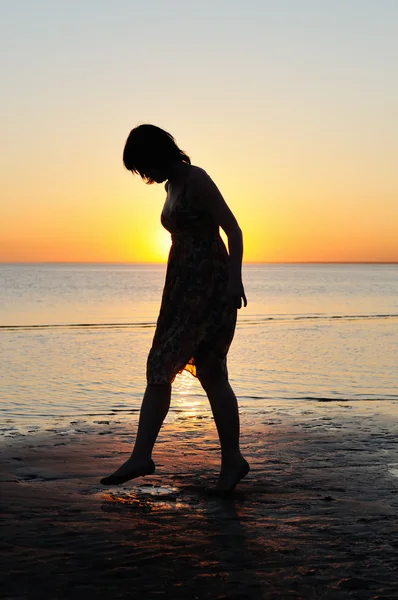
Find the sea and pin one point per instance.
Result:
(74, 339)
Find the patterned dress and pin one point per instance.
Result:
(196, 322)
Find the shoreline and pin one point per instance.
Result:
(315, 518)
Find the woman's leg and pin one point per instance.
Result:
(226, 416)
(154, 408)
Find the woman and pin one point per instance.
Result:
(202, 292)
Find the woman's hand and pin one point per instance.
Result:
(236, 292)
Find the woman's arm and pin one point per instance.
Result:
(210, 198)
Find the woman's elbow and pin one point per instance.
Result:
(235, 232)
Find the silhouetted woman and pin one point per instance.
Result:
(202, 292)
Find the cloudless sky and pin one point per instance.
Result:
(291, 106)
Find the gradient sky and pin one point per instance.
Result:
(290, 105)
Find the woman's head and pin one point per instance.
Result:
(151, 152)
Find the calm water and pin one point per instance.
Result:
(74, 339)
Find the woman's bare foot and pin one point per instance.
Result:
(231, 474)
(129, 470)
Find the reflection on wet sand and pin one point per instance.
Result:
(316, 517)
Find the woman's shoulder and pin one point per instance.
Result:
(197, 172)
(201, 187)
(198, 178)
(201, 180)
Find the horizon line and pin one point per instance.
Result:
(265, 262)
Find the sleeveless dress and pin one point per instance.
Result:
(196, 322)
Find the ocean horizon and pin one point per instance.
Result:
(75, 337)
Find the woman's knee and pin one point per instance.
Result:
(159, 388)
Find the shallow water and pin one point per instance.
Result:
(74, 339)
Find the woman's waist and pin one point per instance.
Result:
(196, 237)
(193, 249)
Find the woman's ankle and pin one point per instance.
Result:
(140, 459)
(231, 458)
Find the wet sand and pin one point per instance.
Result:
(317, 517)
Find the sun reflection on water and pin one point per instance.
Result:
(149, 498)
(186, 390)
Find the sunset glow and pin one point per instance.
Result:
(291, 108)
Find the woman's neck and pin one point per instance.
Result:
(178, 172)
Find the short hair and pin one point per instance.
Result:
(150, 146)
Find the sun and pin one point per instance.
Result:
(161, 246)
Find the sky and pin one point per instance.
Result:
(290, 106)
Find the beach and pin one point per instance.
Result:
(313, 365)
(315, 518)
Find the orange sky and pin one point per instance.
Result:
(293, 113)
